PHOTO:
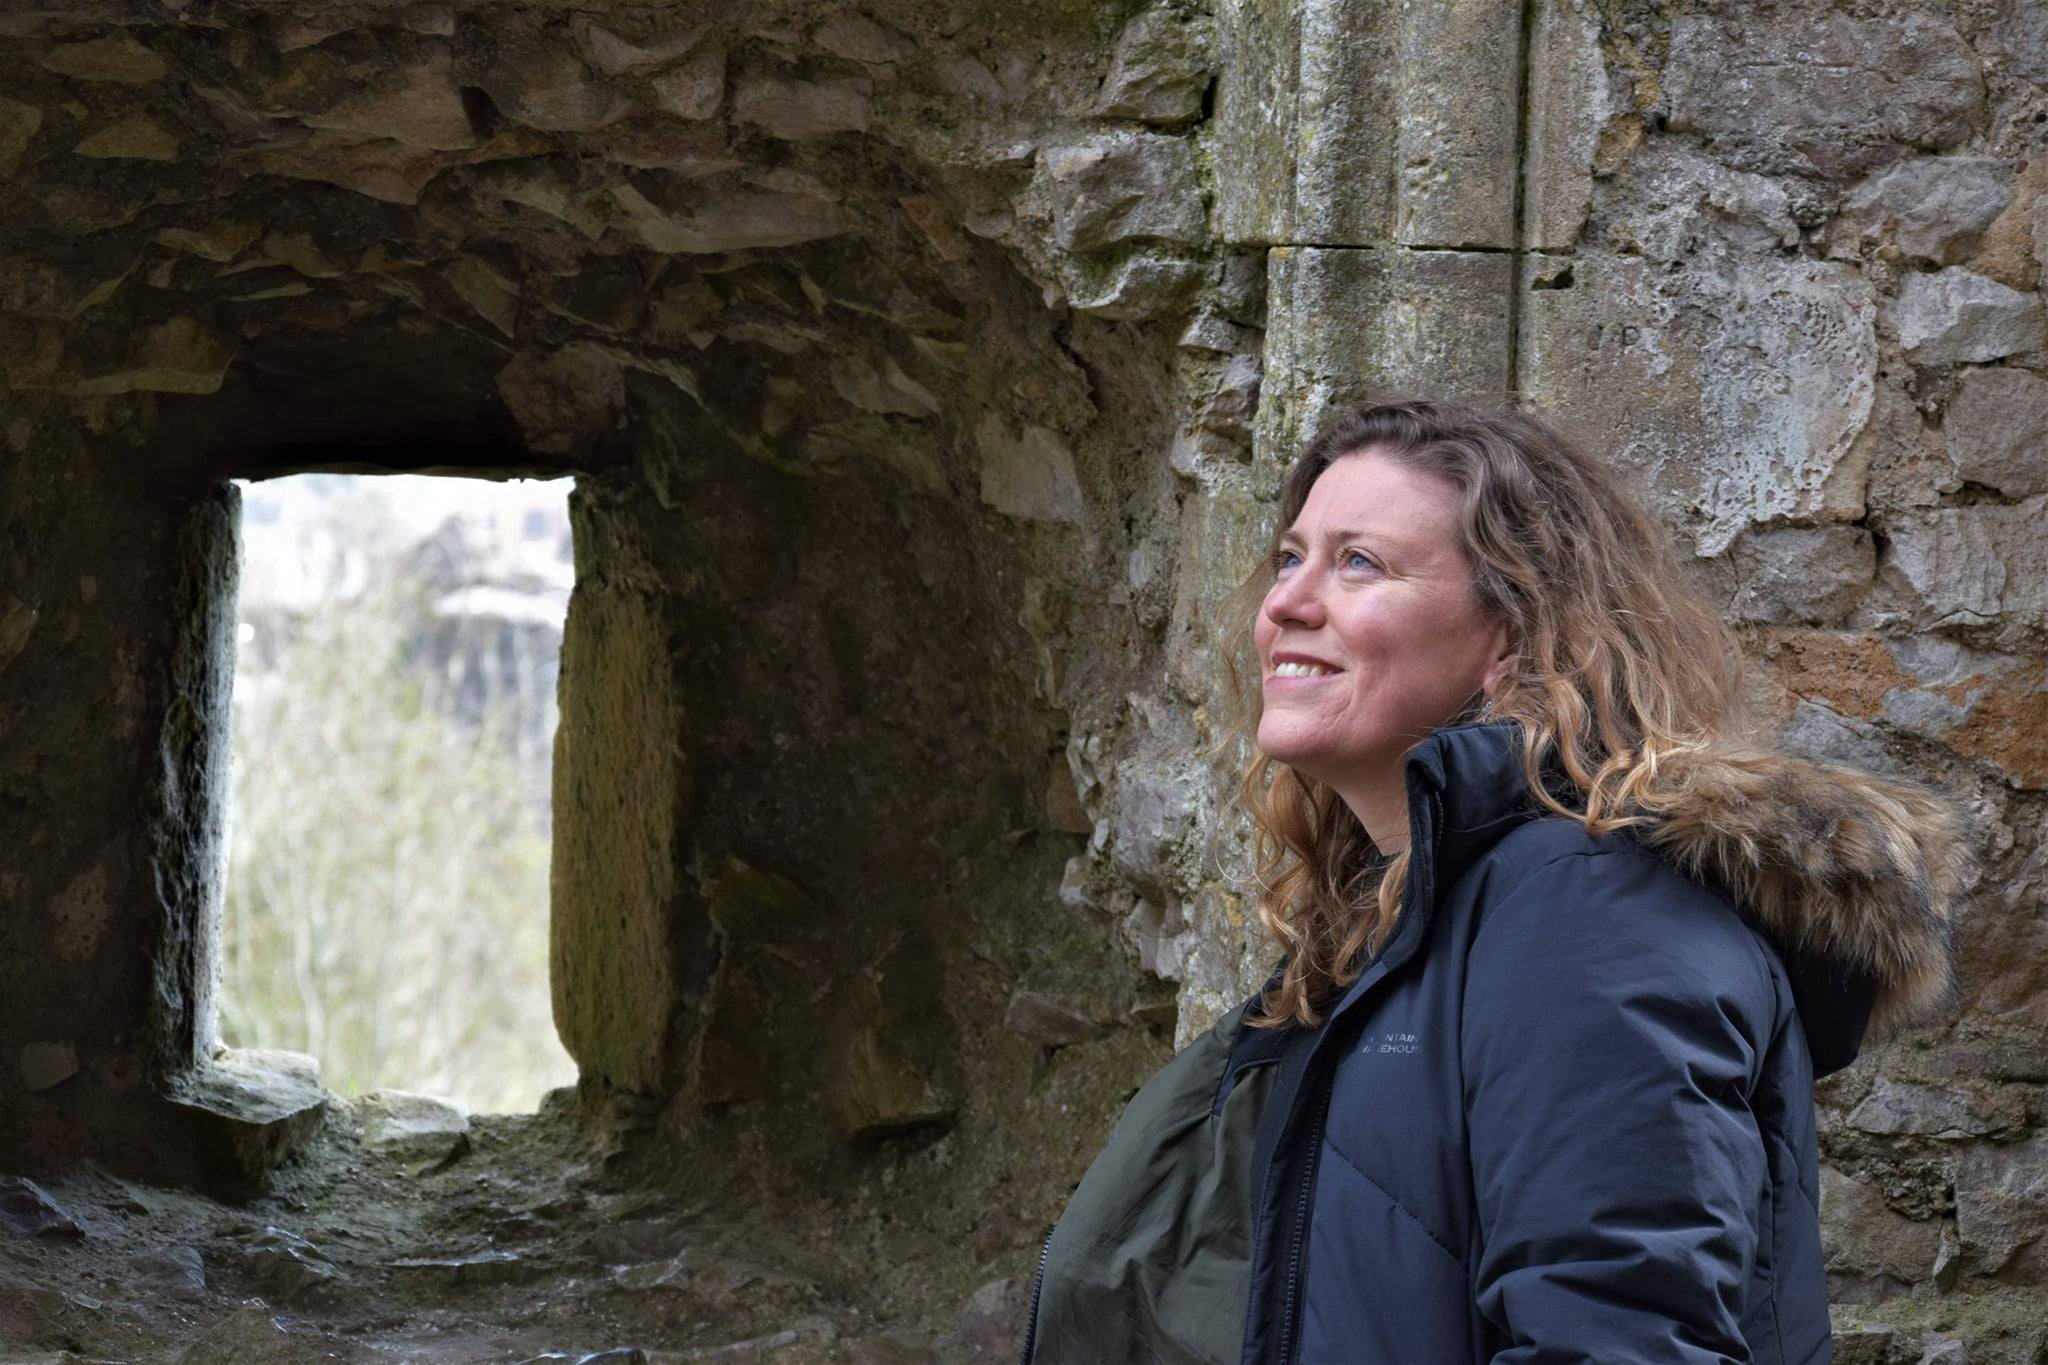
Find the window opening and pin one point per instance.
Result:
(390, 821)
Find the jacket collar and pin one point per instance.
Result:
(1465, 790)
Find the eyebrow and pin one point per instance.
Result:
(1290, 535)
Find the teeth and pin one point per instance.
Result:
(1294, 670)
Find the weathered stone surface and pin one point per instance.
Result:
(1901, 454)
(249, 1107)
(541, 84)
(418, 106)
(2002, 1199)
(248, 1336)
(620, 888)
(1956, 315)
(2014, 248)
(1030, 475)
(18, 125)
(43, 1065)
(1570, 103)
(637, 1241)
(994, 1318)
(179, 355)
(616, 56)
(1315, 145)
(1157, 73)
(693, 89)
(730, 221)
(1141, 286)
(565, 398)
(2023, 34)
(1864, 1345)
(1932, 208)
(135, 137)
(118, 57)
(1734, 398)
(861, 39)
(1123, 186)
(802, 109)
(1937, 1348)
(175, 1272)
(1051, 1019)
(376, 167)
(412, 1127)
(1458, 120)
(495, 298)
(1800, 574)
(967, 79)
(1155, 818)
(1996, 431)
(476, 1270)
(287, 1267)
(1820, 92)
(1865, 1238)
(1902, 1107)
(880, 387)
(27, 1210)
(1972, 566)
(1686, 211)
(885, 1094)
(1346, 323)
(1218, 336)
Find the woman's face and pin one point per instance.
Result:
(1371, 589)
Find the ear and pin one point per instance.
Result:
(1501, 654)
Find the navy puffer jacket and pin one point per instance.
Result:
(1567, 1115)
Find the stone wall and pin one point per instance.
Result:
(927, 373)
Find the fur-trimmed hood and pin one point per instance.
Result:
(1855, 877)
(1840, 865)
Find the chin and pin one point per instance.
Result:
(1307, 759)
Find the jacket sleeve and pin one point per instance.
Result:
(1614, 1017)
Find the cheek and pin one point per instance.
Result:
(1262, 631)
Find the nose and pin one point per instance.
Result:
(1295, 599)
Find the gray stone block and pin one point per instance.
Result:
(1973, 565)
(1349, 124)
(1996, 431)
(1570, 103)
(1933, 208)
(248, 1109)
(1956, 315)
(1820, 92)
(2002, 1199)
(1728, 398)
(1123, 186)
(1157, 74)
(1343, 324)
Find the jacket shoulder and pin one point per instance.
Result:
(1578, 887)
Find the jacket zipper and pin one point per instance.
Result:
(1031, 1320)
(1289, 1304)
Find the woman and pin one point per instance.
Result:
(1565, 952)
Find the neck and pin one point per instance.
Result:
(1381, 805)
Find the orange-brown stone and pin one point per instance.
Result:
(2008, 725)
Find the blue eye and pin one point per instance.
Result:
(1351, 555)
(1280, 558)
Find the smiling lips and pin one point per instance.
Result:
(1300, 668)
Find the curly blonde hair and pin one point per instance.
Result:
(1622, 664)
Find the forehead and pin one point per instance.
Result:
(1374, 496)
